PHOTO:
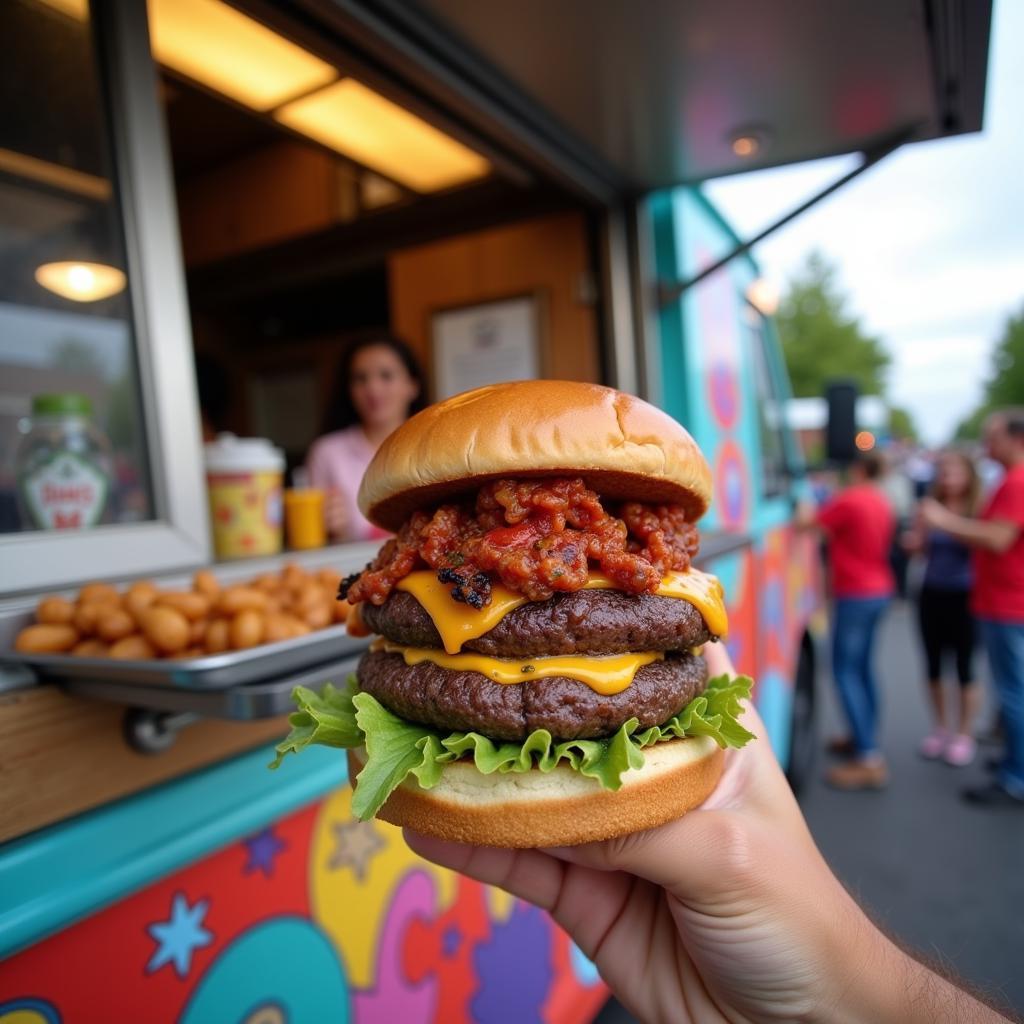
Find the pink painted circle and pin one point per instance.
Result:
(723, 392)
(731, 486)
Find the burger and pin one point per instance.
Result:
(535, 678)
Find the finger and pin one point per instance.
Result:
(529, 874)
(584, 901)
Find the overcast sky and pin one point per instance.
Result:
(929, 244)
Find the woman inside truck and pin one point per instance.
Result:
(378, 386)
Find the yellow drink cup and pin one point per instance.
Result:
(244, 480)
(304, 518)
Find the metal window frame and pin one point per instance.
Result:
(179, 535)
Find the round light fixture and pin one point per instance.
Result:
(746, 146)
(750, 141)
(79, 281)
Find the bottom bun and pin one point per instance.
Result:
(557, 808)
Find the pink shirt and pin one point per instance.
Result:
(337, 462)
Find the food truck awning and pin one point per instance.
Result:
(633, 97)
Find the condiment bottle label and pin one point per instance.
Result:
(66, 492)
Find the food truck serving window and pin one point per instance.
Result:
(94, 350)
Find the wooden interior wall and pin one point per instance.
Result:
(548, 255)
(275, 193)
(62, 755)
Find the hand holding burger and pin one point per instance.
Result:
(729, 913)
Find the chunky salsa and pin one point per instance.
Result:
(535, 536)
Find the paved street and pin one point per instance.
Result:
(945, 879)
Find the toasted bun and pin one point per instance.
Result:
(621, 446)
(558, 808)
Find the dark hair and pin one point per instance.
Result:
(873, 464)
(340, 412)
(1012, 419)
(973, 491)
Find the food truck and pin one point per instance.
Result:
(202, 203)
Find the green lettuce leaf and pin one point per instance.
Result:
(327, 718)
(396, 748)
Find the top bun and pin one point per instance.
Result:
(623, 448)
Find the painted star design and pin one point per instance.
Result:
(178, 938)
(357, 843)
(262, 849)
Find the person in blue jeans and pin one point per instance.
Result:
(997, 537)
(859, 525)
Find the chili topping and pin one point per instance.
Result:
(535, 536)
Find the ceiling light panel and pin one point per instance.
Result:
(227, 51)
(364, 126)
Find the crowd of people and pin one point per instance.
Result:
(971, 548)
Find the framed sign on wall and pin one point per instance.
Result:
(486, 343)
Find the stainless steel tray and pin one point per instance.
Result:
(264, 698)
(215, 672)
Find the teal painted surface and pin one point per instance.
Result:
(668, 390)
(285, 964)
(56, 876)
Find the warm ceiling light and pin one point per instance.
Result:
(763, 296)
(229, 52)
(746, 146)
(81, 282)
(362, 125)
(750, 140)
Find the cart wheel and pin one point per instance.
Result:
(153, 732)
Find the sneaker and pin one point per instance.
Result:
(934, 744)
(993, 794)
(858, 775)
(960, 751)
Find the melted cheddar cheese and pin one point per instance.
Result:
(701, 589)
(456, 623)
(606, 675)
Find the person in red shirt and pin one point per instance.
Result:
(997, 537)
(859, 524)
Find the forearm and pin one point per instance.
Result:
(919, 994)
(890, 987)
(978, 533)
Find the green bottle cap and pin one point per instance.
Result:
(61, 405)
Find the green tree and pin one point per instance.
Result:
(901, 424)
(821, 340)
(1004, 384)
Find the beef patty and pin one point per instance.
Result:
(581, 622)
(567, 708)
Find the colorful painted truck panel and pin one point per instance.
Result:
(724, 378)
(317, 917)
